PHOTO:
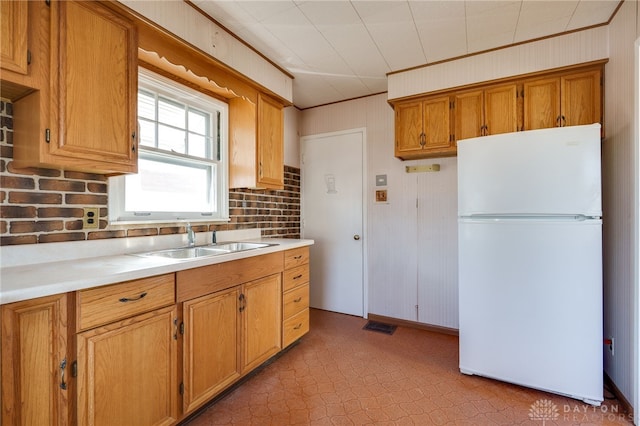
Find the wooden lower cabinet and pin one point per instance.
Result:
(36, 362)
(295, 297)
(227, 334)
(211, 338)
(127, 371)
(112, 355)
(261, 308)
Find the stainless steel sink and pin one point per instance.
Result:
(204, 251)
(240, 246)
(185, 252)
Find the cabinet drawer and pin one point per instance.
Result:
(295, 327)
(296, 276)
(296, 257)
(102, 305)
(295, 301)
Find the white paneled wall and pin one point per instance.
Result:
(189, 24)
(574, 48)
(618, 199)
(438, 244)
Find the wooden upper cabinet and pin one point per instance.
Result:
(541, 103)
(270, 143)
(408, 122)
(13, 36)
(486, 112)
(423, 128)
(500, 109)
(581, 99)
(88, 119)
(569, 99)
(96, 86)
(24, 48)
(256, 143)
(36, 362)
(469, 117)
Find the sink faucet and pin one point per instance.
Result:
(213, 237)
(191, 236)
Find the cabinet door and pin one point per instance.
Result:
(408, 122)
(13, 35)
(34, 371)
(542, 103)
(469, 120)
(500, 110)
(270, 148)
(261, 307)
(437, 123)
(211, 340)
(581, 100)
(94, 66)
(127, 371)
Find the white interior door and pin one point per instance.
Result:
(332, 215)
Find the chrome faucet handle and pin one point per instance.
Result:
(213, 237)
(191, 237)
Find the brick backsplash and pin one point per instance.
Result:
(46, 205)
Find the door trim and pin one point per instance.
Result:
(365, 203)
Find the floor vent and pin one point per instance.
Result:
(379, 327)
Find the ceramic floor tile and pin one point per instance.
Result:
(340, 374)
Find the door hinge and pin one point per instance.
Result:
(28, 57)
(74, 369)
(47, 135)
(182, 328)
(181, 388)
(416, 203)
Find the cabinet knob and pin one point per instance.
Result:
(356, 237)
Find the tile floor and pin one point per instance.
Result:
(340, 374)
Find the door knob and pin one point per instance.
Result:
(356, 237)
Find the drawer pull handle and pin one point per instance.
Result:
(297, 327)
(298, 299)
(297, 257)
(126, 299)
(297, 277)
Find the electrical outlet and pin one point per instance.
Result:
(91, 218)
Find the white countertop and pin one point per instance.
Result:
(49, 277)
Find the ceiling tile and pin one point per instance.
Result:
(441, 27)
(591, 13)
(536, 20)
(391, 26)
(491, 23)
(346, 33)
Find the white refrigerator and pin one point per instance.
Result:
(530, 259)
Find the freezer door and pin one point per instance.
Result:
(530, 303)
(546, 171)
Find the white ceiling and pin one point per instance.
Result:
(343, 49)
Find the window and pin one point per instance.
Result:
(182, 158)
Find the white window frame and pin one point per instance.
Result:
(193, 98)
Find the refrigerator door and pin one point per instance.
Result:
(538, 172)
(531, 304)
